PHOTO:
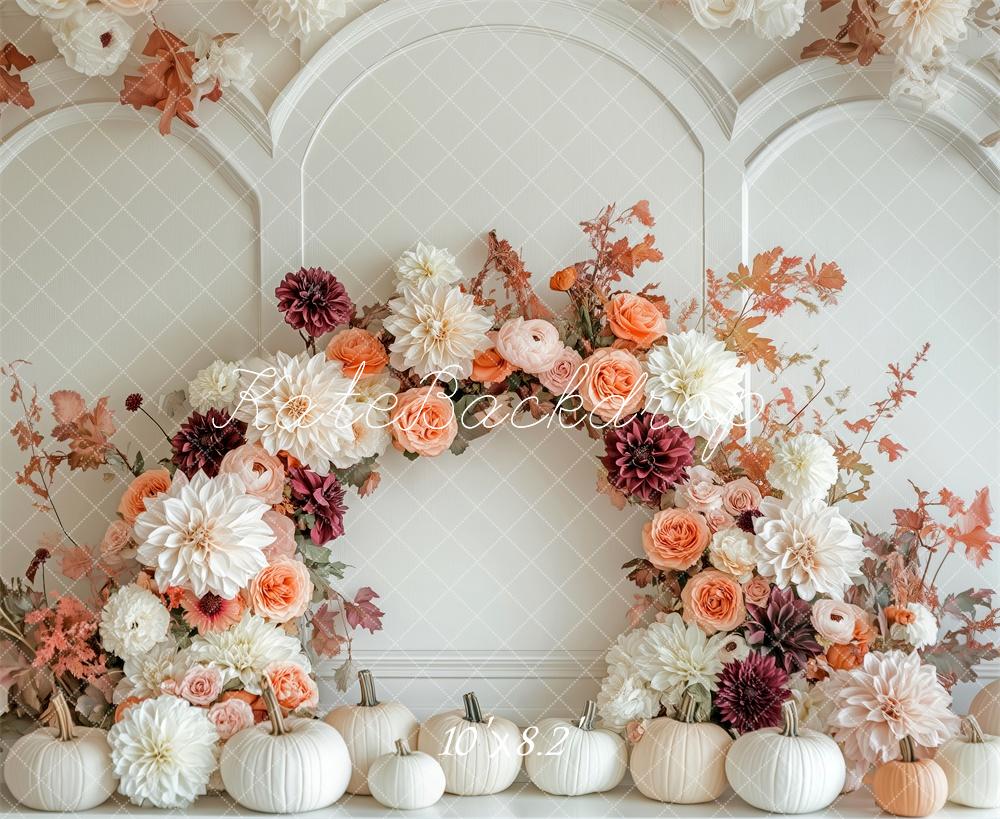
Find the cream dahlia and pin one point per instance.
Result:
(920, 26)
(697, 382)
(625, 697)
(807, 544)
(144, 674)
(438, 329)
(733, 551)
(621, 656)
(133, 621)
(206, 535)
(426, 263)
(164, 750)
(920, 630)
(216, 386)
(804, 466)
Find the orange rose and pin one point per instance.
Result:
(124, 705)
(489, 367)
(713, 600)
(147, 485)
(423, 421)
(358, 350)
(634, 318)
(675, 539)
(281, 591)
(844, 657)
(612, 384)
(564, 279)
(293, 687)
(899, 614)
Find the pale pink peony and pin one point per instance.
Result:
(201, 685)
(564, 375)
(834, 620)
(532, 345)
(701, 492)
(230, 717)
(284, 536)
(718, 519)
(263, 473)
(741, 495)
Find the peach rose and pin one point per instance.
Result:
(845, 657)
(563, 376)
(230, 717)
(564, 279)
(293, 687)
(281, 591)
(124, 705)
(700, 493)
(634, 318)
(358, 351)
(834, 620)
(613, 383)
(756, 590)
(284, 536)
(675, 539)
(147, 485)
(489, 367)
(532, 345)
(713, 600)
(741, 495)
(201, 685)
(262, 473)
(423, 421)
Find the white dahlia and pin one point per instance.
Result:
(216, 386)
(144, 674)
(133, 621)
(299, 404)
(245, 650)
(206, 535)
(164, 750)
(733, 551)
(94, 41)
(919, 632)
(426, 263)
(625, 697)
(805, 466)
(804, 543)
(302, 17)
(697, 382)
(371, 438)
(621, 656)
(777, 19)
(918, 27)
(438, 329)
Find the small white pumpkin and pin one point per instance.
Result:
(370, 729)
(986, 708)
(972, 764)
(572, 759)
(681, 761)
(479, 755)
(62, 768)
(286, 765)
(406, 780)
(787, 769)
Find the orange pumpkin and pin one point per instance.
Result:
(910, 786)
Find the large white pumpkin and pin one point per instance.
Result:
(787, 769)
(986, 708)
(972, 764)
(371, 729)
(479, 755)
(406, 780)
(286, 765)
(62, 768)
(681, 761)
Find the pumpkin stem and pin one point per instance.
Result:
(689, 708)
(473, 713)
(278, 726)
(907, 749)
(367, 683)
(789, 719)
(586, 722)
(970, 727)
(58, 715)
(403, 747)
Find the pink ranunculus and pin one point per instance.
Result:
(613, 385)
(564, 375)
(757, 590)
(532, 345)
(263, 473)
(282, 590)
(284, 536)
(834, 620)
(230, 717)
(718, 519)
(293, 687)
(423, 421)
(701, 492)
(201, 685)
(741, 495)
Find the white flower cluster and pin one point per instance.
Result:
(772, 19)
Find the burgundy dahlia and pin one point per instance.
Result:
(646, 456)
(751, 692)
(745, 520)
(783, 627)
(313, 300)
(321, 496)
(133, 402)
(203, 441)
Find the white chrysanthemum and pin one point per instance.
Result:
(713, 14)
(922, 631)
(93, 41)
(777, 19)
(300, 404)
(922, 80)
(625, 697)
(371, 438)
(164, 750)
(804, 466)
(216, 386)
(918, 27)
(302, 17)
(221, 61)
(133, 621)
(696, 381)
(438, 329)
(427, 263)
(733, 551)
(805, 543)
(245, 650)
(206, 535)
(621, 656)
(145, 673)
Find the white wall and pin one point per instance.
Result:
(128, 261)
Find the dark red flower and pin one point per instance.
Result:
(646, 456)
(312, 299)
(745, 520)
(133, 402)
(203, 441)
(321, 496)
(783, 627)
(751, 692)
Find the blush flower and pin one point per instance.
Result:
(230, 717)
(739, 496)
(201, 685)
(564, 375)
(210, 612)
(675, 539)
(293, 686)
(262, 473)
(612, 384)
(701, 492)
(714, 601)
(646, 456)
(148, 484)
(756, 590)
(423, 421)
(834, 620)
(634, 318)
(283, 528)
(358, 351)
(281, 591)
(532, 345)
(313, 300)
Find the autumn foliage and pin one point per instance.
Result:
(13, 89)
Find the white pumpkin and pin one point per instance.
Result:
(681, 761)
(986, 708)
(62, 768)
(572, 759)
(406, 780)
(786, 770)
(286, 765)
(370, 730)
(478, 755)
(972, 764)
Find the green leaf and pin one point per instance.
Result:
(139, 464)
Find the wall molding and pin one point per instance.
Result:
(492, 665)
